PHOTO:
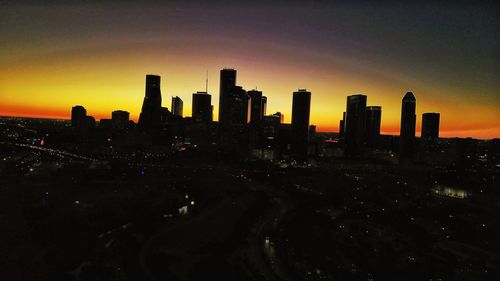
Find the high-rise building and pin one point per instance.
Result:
(238, 107)
(355, 125)
(233, 131)
(120, 119)
(280, 115)
(312, 132)
(373, 119)
(429, 145)
(165, 116)
(106, 124)
(78, 114)
(89, 122)
(202, 107)
(256, 109)
(150, 117)
(270, 127)
(407, 131)
(264, 105)
(301, 107)
(227, 84)
(177, 106)
(342, 126)
(430, 126)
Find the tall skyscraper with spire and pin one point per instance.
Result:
(150, 117)
(407, 131)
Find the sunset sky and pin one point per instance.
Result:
(97, 53)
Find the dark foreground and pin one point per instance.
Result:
(195, 216)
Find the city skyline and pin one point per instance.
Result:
(97, 53)
(417, 130)
(276, 140)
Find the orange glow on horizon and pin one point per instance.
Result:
(107, 80)
(65, 114)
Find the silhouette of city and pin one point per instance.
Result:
(248, 197)
(241, 194)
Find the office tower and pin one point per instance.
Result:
(280, 116)
(238, 107)
(165, 116)
(312, 132)
(430, 126)
(342, 126)
(150, 116)
(373, 119)
(233, 131)
(270, 129)
(89, 122)
(202, 108)
(105, 123)
(301, 106)
(407, 131)
(247, 103)
(199, 129)
(78, 114)
(256, 109)
(355, 125)
(227, 83)
(177, 106)
(120, 119)
(264, 105)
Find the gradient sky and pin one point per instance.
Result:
(96, 53)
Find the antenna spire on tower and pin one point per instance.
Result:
(206, 83)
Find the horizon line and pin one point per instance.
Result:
(319, 131)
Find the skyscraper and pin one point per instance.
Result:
(373, 119)
(280, 116)
(301, 107)
(256, 109)
(150, 116)
(89, 122)
(270, 128)
(165, 115)
(407, 131)
(429, 145)
(202, 108)
(237, 110)
(233, 130)
(227, 83)
(120, 119)
(177, 106)
(342, 125)
(78, 114)
(355, 125)
(430, 126)
(264, 105)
